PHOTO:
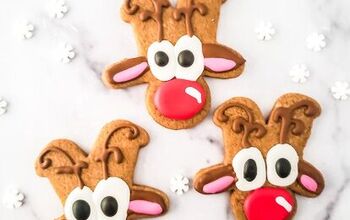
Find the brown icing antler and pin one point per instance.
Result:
(240, 124)
(289, 123)
(118, 154)
(156, 15)
(187, 12)
(76, 167)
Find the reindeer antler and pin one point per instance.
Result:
(187, 12)
(285, 115)
(76, 167)
(241, 124)
(118, 154)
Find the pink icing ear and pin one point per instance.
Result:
(219, 64)
(218, 185)
(309, 183)
(145, 207)
(131, 73)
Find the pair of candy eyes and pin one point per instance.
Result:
(185, 58)
(82, 210)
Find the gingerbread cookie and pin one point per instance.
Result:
(177, 48)
(263, 165)
(100, 185)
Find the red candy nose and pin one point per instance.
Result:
(180, 99)
(269, 204)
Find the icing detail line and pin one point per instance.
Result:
(284, 203)
(194, 93)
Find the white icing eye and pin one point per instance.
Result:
(189, 58)
(79, 205)
(282, 165)
(160, 57)
(249, 166)
(111, 198)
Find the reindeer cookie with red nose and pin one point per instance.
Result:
(100, 185)
(263, 165)
(178, 48)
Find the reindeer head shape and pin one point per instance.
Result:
(100, 185)
(177, 49)
(263, 164)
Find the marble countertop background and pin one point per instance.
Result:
(50, 100)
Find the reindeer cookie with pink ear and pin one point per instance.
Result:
(178, 48)
(100, 185)
(263, 167)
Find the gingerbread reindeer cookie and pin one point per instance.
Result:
(178, 48)
(263, 165)
(100, 185)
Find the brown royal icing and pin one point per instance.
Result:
(241, 124)
(285, 116)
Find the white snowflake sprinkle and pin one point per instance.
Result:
(341, 90)
(265, 31)
(25, 30)
(299, 73)
(316, 42)
(179, 184)
(3, 106)
(58, 9)
(67, 53)
(13, 198)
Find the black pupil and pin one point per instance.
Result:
(283, 168)
(81, 210)
(109, 206)
(250, 170)
(161, 58)
(186, 58)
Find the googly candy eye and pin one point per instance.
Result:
(282, 165)
(79, 205)
(249, 166)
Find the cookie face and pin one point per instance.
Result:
(263, 167)
(178, 49)
(100, 185)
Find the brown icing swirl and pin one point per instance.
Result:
(75, 167)
(116, 151)
(129, 8)
(289, 123)
(187, 12)
(156, 15)
(241, 124)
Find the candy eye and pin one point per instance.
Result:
(282, 165)
(111, 198)
(79, 205)
(190, 58)
(249, 166)
(160, 57)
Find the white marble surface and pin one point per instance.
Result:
(50, 100)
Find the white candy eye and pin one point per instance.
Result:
(79, 205)
(111, 198)
(160, 57)
(282, 165)
(189, 58)
(249, 166)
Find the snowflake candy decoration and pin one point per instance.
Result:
(67, 53)
(179, 184)
(3, 106)
(341, 90)
(25, 30)
(13, 198)
(58, 9)
(265, 31)
(299, 73)
(316, 42)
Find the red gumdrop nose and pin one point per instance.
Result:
(180, 99)
(269, 204)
